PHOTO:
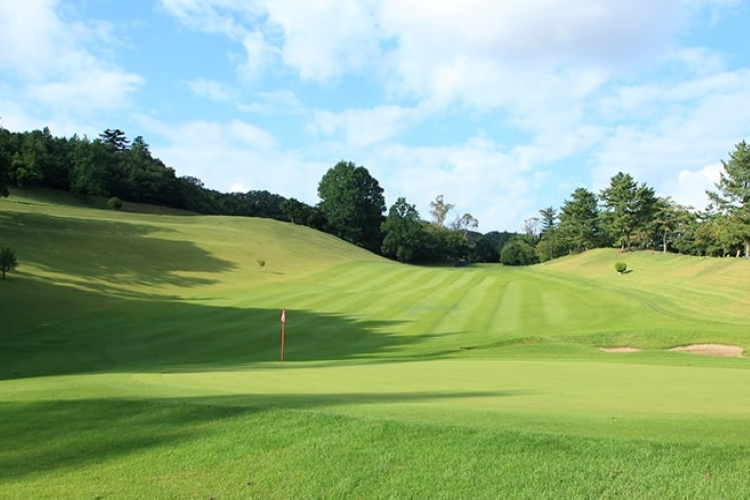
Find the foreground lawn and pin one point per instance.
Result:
(138, 449)
(139, 358)
(437, 429)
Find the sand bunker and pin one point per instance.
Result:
(619, 349)
(732, 351)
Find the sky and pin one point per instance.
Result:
(503, 107)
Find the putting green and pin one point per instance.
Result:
(562, 397)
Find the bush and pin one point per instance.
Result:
(114, 203)
(621, 267)
(518, 253)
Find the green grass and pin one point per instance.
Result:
(139, 359)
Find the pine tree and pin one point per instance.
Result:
(733, 193)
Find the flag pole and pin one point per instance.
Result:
(283, 324)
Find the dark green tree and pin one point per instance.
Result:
(5, 156)
(458, 247)
(732, 195)
(353, 204)
(403, 231)
(551, 244)
(487, 247)
(580, 221)
(500, 239)
(57, 161)
(296, 211)
(8, 260)
(518, 252)
(4, 168)
(547, 220)
(442, 245)
(115, 138)
(193, 195)
(629, 208)
(26, 163)
(671, 222)
(88, 176)
(714, 236)
(485, 250)
(140, 176)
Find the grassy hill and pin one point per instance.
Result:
(139, 357)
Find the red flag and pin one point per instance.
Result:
(283, 315)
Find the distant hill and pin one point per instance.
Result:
(146, 248)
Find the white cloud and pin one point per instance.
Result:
(690, 187)
(327, 38)
(232, 156)
(487, 53)
(700, 60)
(213, 16)
(364, 127)
(35, 34)
(211, 89)
(212, 135)
(258, 55)
(276, 102)
(238, 187)
(695, 124)
(53, 65)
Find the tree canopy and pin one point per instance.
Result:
(403, 231)
(580, 221)
(353, 204)
(8, 260)
(732, 195)
(629, 207)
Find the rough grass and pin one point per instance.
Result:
(139, 358)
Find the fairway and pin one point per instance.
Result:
(139, 357)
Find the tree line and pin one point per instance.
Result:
(630, 215)
(113, 166)
(352, 207)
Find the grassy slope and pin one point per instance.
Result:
(171, 321)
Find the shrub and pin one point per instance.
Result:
(518, 253)
(261, 263)
(621, 267)
(114, 203)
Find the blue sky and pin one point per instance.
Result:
(504, 108)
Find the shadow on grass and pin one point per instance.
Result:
(58, 435)
(51, 330)
(45, 436)
(109, 251)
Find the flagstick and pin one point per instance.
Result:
(282, 345)
(283, 324)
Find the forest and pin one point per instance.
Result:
(626, 214)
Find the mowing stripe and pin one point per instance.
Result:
(510, 308)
